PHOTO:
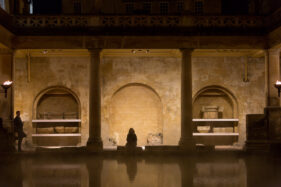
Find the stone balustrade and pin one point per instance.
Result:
(31, 21)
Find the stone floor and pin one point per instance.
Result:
(217, 169)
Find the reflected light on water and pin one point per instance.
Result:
(123, 171)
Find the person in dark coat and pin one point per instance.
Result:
(18, 124)
(131, 139)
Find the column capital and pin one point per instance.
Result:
(95, 51)
(186, 50)
(273, 51)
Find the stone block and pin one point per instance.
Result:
(47, 130)
(256, 127)
(71, 129)
(59, 129)
(155, 139)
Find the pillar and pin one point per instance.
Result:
(94, 142)
(273, 108)
(273, 74)
(186, 141)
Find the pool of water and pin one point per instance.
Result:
(71, 170)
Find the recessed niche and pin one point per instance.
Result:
(213, 104)
(57, 104)
(136, 106)
(215, 117)
(57, 120)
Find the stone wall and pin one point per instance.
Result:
(155, 76)
(228, 72)
(46, 72)
(161, 74)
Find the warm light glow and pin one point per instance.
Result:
(278, 82)
(8, 83)
(45, 52)
(140, 51)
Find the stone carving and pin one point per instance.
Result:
(155, 139)
(228, 21)
(50, 21)
(112, 141)
(212, 112)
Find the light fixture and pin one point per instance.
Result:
(278, 86)
(45, 52)
(6, 85)
(139, 51)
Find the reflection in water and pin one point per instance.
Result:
(121, 171)
(132, 167)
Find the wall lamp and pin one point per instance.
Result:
(6, 85)
(278, 86)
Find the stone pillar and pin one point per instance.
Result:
(94, 142)
(273, 73)
(273, 109)
(186, 141)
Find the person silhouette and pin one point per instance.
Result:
(19, 129)
(131, 139)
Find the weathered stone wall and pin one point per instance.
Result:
(228, 72)
(69, 72)
(5, 103)
(64, 104)
(139, 107)
(159, 74)
(162, 74)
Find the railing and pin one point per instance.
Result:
(137, 21)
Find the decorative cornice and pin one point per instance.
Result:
(139, 53)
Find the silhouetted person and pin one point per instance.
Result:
(19, 129)
(131, 139)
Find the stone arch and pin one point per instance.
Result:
(215, 96)
(136, 106)
(61, 89)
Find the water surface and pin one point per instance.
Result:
(140, 171)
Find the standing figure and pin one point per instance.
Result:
(18, 124)
(131, 139)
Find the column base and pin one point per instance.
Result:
(187, 144)
(273, 117)
(95, 145)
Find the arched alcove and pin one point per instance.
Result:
(214, 102)
(136, 106)
(56, 118)
(215, 111)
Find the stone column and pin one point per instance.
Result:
(94, 142)
(186, 141)
(273, 73)
(273, 109)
